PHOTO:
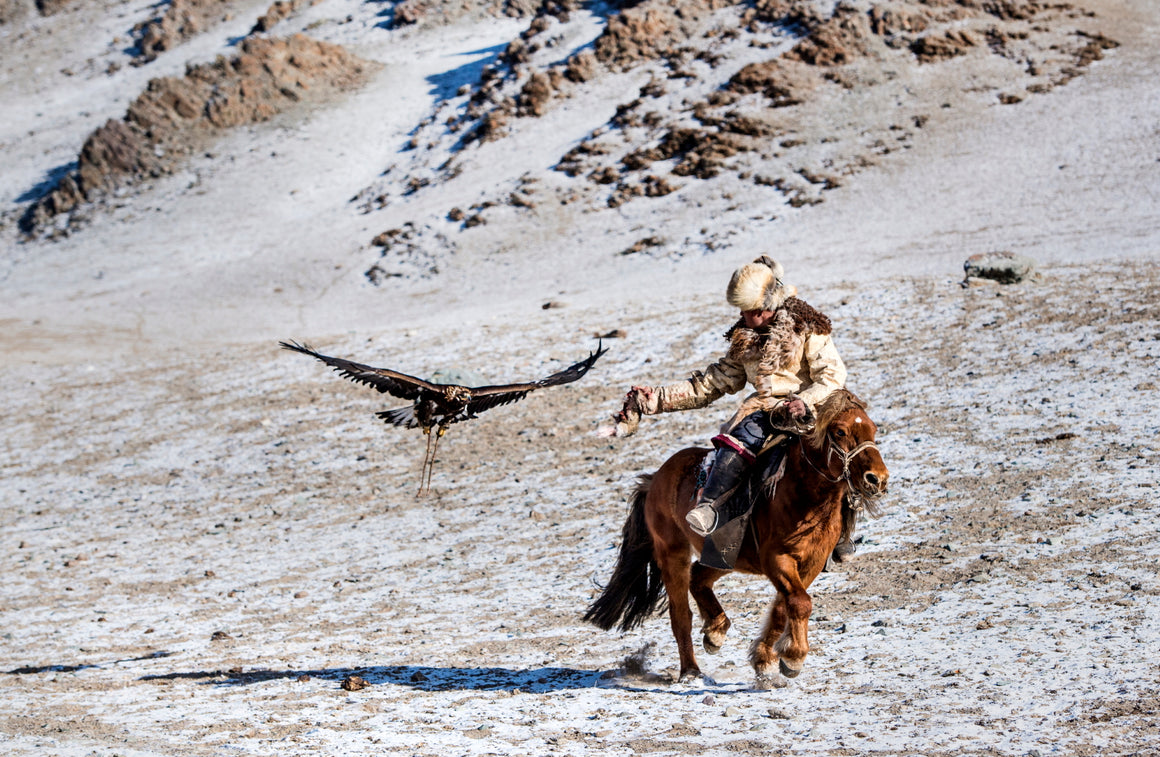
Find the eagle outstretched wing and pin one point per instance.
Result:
(384, 379)
(487, 397)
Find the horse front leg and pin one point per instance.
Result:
(762, 652)
(715, 623)
(785, 636)
(794, 644)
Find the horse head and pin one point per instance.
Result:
(845, 436)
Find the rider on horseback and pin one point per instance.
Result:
(781, 346)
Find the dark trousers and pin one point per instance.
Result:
(747, 437)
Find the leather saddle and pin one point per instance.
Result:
(722, 546)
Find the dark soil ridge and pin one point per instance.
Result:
(176, 116)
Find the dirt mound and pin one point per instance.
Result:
(443, 12)
(279, 10)
(175, 116)
(837, 40)
(784, 82)
(181, 20)
(650, 30)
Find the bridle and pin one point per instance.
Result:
(857, 499)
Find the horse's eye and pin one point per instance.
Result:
(839, 433)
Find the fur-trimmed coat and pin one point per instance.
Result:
(794, 354)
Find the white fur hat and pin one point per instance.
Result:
(758, 286)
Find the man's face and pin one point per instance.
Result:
(755, 319)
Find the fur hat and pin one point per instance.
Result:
(758, 286)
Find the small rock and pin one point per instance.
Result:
(354, 683)
(219, 636)
(709, 699)
(552, 305)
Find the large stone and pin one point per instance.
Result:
(1004, 267)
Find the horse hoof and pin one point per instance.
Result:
(710, 647)
(787, 671)
(691, 676)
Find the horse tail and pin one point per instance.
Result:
(635, 590)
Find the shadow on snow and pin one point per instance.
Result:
(421, 677)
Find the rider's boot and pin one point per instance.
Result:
(723, 478)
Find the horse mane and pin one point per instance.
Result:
(836, 403)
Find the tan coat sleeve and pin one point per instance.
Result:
(700, 389)
(827, 371)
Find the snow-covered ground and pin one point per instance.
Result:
(203, 535)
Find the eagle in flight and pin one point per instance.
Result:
(437, 406)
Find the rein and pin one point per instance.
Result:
(857, 501)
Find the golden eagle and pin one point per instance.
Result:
(436, 405)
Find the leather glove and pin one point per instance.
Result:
(792, 414)
(640, 400)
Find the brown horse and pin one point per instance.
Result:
(793, 528)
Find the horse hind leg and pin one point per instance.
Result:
(715, 623)
(675, 575)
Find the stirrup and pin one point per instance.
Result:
(703, 519)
